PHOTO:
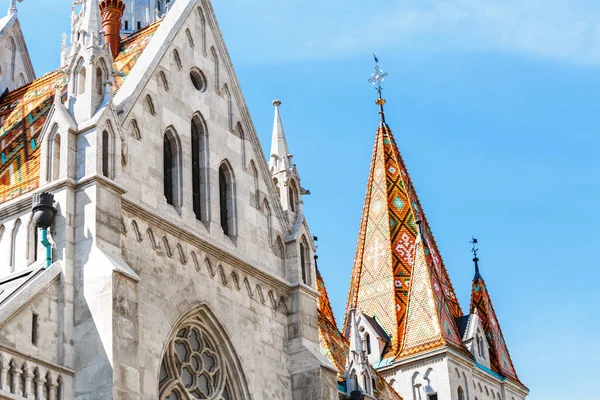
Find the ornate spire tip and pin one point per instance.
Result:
(276, 103)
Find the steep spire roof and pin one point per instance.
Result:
(398, 275)
(481, 303)
(280, 154)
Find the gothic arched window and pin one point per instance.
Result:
(13, 245)
(256, 193)
(199, 363)
(81, 78)
(171, 168)
(12, 49)
(54, 156)
(200, 168)
(368, 341)
(461, 394)
(227, 199)
(304, 261)
(293, 195)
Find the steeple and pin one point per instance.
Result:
(398, 274)
(481, 303)
(284, 173)
(89, 63)
(280, 155)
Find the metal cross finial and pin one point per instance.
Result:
(378, 76)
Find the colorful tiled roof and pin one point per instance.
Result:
(335, 346)
(384, 281)
(500, 359)
(23, 113)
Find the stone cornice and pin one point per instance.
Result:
(172, 247)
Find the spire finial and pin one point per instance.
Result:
(12, 8)
(474, 250)
(377, 77)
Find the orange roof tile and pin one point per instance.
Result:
(383, 282)
(500, 359)
(23, 113)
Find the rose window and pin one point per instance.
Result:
(192, 367)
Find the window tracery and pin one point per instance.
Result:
(194, 367)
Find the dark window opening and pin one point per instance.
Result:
(105, 151)
(139, 25)
(126, 25)
(34, 329)
(368, 340)
(303, 264)
(168, 167)
(196, 191)
(226, 200)
(432, 397)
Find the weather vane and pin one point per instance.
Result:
(474, 250)
(378, 76)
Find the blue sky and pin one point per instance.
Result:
(494, 105)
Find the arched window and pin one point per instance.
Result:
(461, 394)
(105, 154)
(134, 130)
(53, 172)
(276, 183)
(200, 168)
(32, 243)
(239, 132)
(227, 199)
(200, 362)
(269, 215)
(255, 193)
(368, 342)
(293, 195)
(99, 81)
(229, 107)
(13, 245)
(202, 29)
(216, 66)
(12, 51)
(172, 168)
(305, 261)
(21, 80)
(355, 381)
(81, 81)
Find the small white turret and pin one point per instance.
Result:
(284, 172)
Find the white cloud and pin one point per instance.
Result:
(564, 30)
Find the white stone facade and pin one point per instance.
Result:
(130, 272)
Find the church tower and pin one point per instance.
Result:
(418, 337)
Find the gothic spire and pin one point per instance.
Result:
(91, 25)
(280, 155)
(377, 78)
(387, 257)
(481, 303)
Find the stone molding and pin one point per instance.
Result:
(266, 291)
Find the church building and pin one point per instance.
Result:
(149, 249)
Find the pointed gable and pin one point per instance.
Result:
(481, 303)
(23, 113)
(387, 254)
